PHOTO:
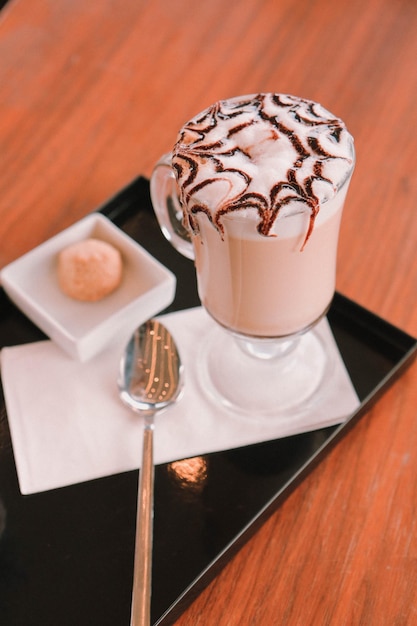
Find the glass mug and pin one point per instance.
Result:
(253, 192)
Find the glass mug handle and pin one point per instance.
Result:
(167, 206)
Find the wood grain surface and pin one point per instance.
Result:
(92, 93)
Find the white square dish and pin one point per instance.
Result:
(83, 329)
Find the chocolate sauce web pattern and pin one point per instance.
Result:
(308, 155)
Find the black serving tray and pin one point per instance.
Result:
(66, 556)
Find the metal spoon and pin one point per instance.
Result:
(150, 379)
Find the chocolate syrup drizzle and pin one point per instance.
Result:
(194, 148)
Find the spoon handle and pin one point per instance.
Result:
(142, 574)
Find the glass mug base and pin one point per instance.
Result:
(262, 382)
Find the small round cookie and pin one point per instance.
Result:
(89, 270)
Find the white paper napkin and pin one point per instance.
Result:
(68, 424)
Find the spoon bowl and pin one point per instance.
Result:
(150, 380)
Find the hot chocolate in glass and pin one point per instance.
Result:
(259, 182)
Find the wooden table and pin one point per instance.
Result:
(91, 93)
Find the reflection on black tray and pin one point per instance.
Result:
(67, 555)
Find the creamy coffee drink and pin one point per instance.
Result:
(262, 181)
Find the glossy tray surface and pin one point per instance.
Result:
(66, 556)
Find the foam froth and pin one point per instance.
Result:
(263, 156)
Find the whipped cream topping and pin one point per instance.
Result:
(264, 156)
